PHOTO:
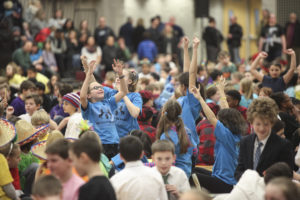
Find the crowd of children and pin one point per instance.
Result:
(152, 130)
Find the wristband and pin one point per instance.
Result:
(223, 98)
(120, 77)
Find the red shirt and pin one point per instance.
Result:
(149, 129)
(205, 131)
(15, 174)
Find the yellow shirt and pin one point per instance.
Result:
(5, 176)
(43, 79)
(16, 80)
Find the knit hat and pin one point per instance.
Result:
(26, 132)
(7, 132)
(72, 98)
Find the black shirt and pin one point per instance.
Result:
(272, 35)
(97, 188)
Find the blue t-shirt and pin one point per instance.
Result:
(246, 102)
(277, 84)
(226, 154)
(101, 116)
(166, 94)
(183, 161)
(124, 121)
(191, 108)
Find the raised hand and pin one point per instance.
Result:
(196, 92)
(221, 84)
(91, 67)
(118, 67)
(84, 62)
(263, 54)
(196, 42)
(289, 52)
(186, 42)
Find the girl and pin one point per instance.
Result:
(246, 89)
(213, 95)
(229, 126)
(14, 79)
(130, 107)
(265, 92)
(171, 127)
(274, 81)
(49, 58)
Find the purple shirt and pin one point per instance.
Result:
(58, 110)
(19, 106)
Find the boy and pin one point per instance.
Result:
(47, 188)
(47, 102)
(233, 98)
(225, 65)
(33, 103)
(71, 103)
(85, 155)
(260, 150)
(26, 88)
(136, 181)
(98, 109)
(60, 165)
(32, 73)
(175, 179)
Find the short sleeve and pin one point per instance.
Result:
(108, 92)
(85, 112)
(5, 175)
(194, 105)
(137, 101)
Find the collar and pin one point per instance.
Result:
(169, 173)
(264, 141)
(137, 163)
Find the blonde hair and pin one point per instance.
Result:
(110, 76)
(247, 88)
(40, 117)
(53, 136)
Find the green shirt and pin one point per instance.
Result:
(26, 161)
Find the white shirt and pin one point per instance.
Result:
(264, 142)
(26, 117)
(137, 181)
(73, 129)
(91, 56)
(178, 178)
(250, 187)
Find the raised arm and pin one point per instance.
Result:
(85, 67)
(208, 112)
(193, 67)
(254, 65)
(84, 89)
(283, 42)
(118, 68)
(186, 56)
(133, 109)
(288, 76)
(223, 99)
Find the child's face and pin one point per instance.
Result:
(78, 163)
(57, 165)
(232, 103)
(146, 69)
(262, 94)
(9, 70)
(68, 107)
(274, 71)
(248, 75)
(225, 60)
(30, 106)
(163, 161)
(273, 192)
(216, 97)
(262, 127)
(28, 92)
(14, 159)
(96, 91)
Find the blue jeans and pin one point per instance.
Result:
(235, 54)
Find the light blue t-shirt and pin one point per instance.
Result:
(101, 116)
(183, 161)
(191, 108)
(166, 94)
(226, 154)
(246, 102)
(124, 121)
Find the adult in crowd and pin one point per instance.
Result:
(272, 39)
(84, 28)
(39, 22)
(126, 31)
(138, 32)
(59, 47)
(178, 31)
(154, 31)
(234, 40)
(292, 32)
(169, 42)
(21, 56)
(213, 38)
(264, 21)
(102, 32)
(147, 48)
(58, 20)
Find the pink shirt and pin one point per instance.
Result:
(71, 188)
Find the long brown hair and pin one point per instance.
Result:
(171, 116)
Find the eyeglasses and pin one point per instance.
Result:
(97, 87)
